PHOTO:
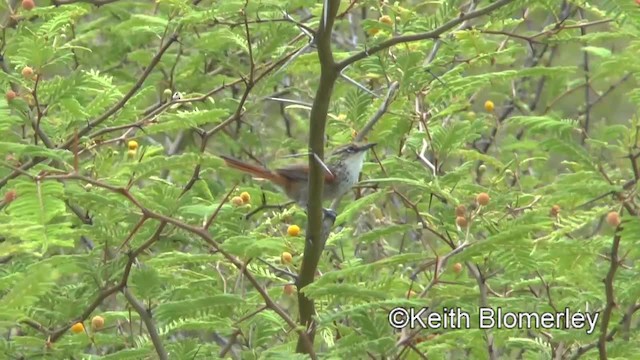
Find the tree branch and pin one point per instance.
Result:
(433, 34)
(381, 111)
(318, 119)
(134, 89)
(609, 291)
(148, 322)
(199, 231)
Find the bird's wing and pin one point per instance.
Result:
(300, 172)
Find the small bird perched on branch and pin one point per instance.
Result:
(342, 171)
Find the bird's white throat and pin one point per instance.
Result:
(353, 166)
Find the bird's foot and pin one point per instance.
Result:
(330, 214)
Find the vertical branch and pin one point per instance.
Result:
(76, 153)
(36, 102)
(152, 329)
(609, 292)
(587, 85)
(484, 302)
(318, 118)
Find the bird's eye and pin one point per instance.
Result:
(351, 149)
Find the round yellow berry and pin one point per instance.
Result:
(28, 4)
(27, 72)
(461, 210)
(483, 199)
(286, 257)
(131, 153)
(246, 198)
(77, 328)
(385, 19)
(613, 219)
(461, 221)
(237, 201)
(489, 105)
(293, 230)
(132, 145)
(97, 322)
(9, 196)
(289, 289)
(555, 210)
(10, 95)
(457, 268)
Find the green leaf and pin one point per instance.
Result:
(598, 51)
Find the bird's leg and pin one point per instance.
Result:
(328, 219)
(329, 214)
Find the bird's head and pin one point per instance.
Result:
(353, 153)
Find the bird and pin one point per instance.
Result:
(342, 171)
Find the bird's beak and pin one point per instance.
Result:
(366, 146)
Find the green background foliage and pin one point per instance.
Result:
(148, 236)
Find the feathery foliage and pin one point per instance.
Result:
(117, 207)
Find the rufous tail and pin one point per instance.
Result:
(256, 171)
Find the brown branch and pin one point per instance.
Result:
(217, 210)
(57, 334)
(148, 322)
(609, 291)
(39, 113)
(587, 82)
(151, 113)
(229, 344)
(433, 34)
(104, 116)
(133, 232)
(200, 232)
(134, 89)
(263, 21)
(34, 325)
(533, 60)
(235, 116)
(484, 302)
(391, 92)
(314, 243)
(36, 125)
(346, 11)
(559, 27)
(602, 96)
(96, 3)
(513, 35)
(623, 323)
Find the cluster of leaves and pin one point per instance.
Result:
(116, 205)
